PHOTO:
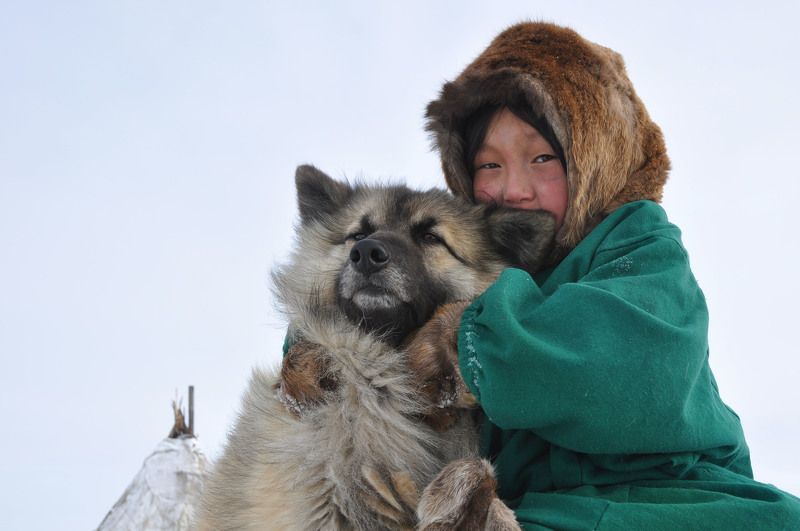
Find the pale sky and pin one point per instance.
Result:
(147, 153)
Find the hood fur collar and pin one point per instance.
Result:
(614, 152)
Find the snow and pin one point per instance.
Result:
(164, 493)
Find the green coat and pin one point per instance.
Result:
(602, 412)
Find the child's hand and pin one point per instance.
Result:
(305, 378)
(433, 360)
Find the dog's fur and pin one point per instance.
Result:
(347, 439)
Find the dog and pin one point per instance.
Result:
(353, 433)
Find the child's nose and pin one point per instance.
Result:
(518, 189)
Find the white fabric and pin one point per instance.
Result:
(164, 493)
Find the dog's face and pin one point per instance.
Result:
(387, 256)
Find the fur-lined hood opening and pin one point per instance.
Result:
(614, 153)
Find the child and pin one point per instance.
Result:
(602, 412)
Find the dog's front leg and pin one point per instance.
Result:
(462, 497)
(306, 379)
(433, 360)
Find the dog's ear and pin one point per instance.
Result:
(523, 237)
(318, 195)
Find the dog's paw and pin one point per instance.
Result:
(392, 496)
(306, 380)
(462, 497)
(433, 360)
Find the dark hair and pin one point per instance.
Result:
(477, 125)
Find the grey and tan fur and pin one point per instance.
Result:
(361, 454)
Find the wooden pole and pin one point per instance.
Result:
(191, 410)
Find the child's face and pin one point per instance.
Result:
(518, 168)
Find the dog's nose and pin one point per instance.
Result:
(369, 256)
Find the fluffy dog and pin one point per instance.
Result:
(353, 429)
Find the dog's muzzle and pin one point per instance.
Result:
(369, 256)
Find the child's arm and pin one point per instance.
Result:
(613, 363)
(612, 357)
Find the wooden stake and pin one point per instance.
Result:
(191, 410)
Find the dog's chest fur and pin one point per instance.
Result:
(322, 470)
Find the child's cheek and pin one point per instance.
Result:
(485, 193)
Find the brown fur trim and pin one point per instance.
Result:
(614, 152)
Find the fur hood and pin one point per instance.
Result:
(614, 152)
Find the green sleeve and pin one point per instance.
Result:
(612, 362)
(288, 341)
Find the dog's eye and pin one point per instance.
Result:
(430, 237)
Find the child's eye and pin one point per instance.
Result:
(487, 166)
(544, 158)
